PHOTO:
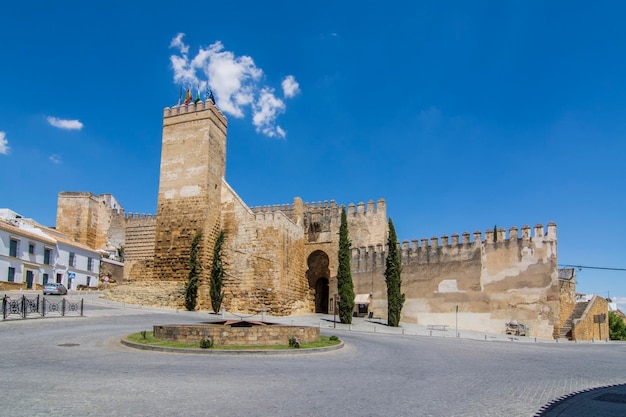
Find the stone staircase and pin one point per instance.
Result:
(566, 330)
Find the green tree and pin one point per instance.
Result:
(393, 271)
(617, 328)
(191, 288)
(345, 286)
(217, 273)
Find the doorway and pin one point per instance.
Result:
(29, 280)
(318, 276)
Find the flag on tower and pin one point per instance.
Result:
(180, 96)
(197, 96)
(187, 97)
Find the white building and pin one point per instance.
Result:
(32, 255)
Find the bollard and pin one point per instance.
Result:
(431, 332)
(485, 337)
(535, 340)
(402, 331)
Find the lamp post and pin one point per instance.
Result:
(335, 299)
(456, 327)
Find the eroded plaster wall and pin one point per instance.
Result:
(491, 282)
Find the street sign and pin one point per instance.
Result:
(71, 275)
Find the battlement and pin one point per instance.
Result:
(460, 240)
(192, 111)
(140, 216)
(331, 205)
(272, 208)
(381, 206)
(451, 247)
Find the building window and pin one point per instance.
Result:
(89, 281)
(11, 277)
(45, 279)
(13, 246)
(46, 256)
(89, 265)
(72, 259)
(59, 278)
(31, 248)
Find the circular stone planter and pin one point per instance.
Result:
(128, 343)
(236, 333)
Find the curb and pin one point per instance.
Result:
(305, 351)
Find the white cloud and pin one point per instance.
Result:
(177, 42)
(265, 111)
(55, 159)
(235, 82)
(65, 124)
(4, 144)
(290, 86)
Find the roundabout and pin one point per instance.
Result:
(373, 374)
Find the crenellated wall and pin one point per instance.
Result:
(282, 259)
(491, 281)
(264, 257)
(320, 221)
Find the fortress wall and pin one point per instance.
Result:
(367, 225)
(77, 216)
(117, 230)
(139, 246)
(265, 250)
(87, 218)
(490, 281)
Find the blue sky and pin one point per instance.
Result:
(462, 115)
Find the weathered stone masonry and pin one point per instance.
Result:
(282, 259)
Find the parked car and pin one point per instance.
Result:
(54, 288)
(517, 329)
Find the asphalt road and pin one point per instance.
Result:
(75, 366)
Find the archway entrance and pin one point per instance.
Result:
(317, 275)
(321, 295)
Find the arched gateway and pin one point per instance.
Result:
(318, 276)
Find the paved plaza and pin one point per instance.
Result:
(75, 366)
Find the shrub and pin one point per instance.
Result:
(143, 334)
(294, 342)
(206, 343)
(333, 338)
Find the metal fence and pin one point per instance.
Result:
(25, 307)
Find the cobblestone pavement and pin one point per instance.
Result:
(75, 366)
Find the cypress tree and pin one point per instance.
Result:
(217, 273)
(393, 270)
(191, 289)
(345, 286)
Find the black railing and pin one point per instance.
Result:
(41, 307)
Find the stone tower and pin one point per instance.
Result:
(87, 218)
(193, 163)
